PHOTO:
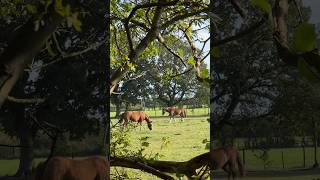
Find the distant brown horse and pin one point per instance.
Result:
(173, 111)
(60, 168)
(136, 116)
(227, 158)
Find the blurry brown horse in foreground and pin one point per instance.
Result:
(136, 116)
(60, 168)
(173, 111)
(227, 158)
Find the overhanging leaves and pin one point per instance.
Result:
(263, 5)
(304, 37)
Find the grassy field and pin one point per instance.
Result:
(9, 167)
(305, 174)
(293, 159)
(185, 141)
(158, 112)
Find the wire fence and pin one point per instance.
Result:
(300, 155)
(157, 111)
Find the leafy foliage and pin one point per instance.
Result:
(304, 37)
(264, 5)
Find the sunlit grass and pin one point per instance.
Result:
(185, 140)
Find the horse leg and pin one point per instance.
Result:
(233, 170)
(125, 124)
(227, 170)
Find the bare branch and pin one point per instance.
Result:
(299, 10)
(57, 44)
(181, 17)
(149, 5)
(239, 35)
(73, 54)
(237, 7)
(161, 40)
(26, 101)
(6, 145)
(128, 33)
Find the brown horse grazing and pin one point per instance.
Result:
(136, 116)
(227, 159)
(173, 111)
(60, 168)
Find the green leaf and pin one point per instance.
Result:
(304, 37)
(64, 11)
(305, 71)
(191, 60)
(76, 23)
(264, 5)
(180, 52)
(32, 9)
(205, 73)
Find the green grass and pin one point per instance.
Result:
(293, 159)
(9, 167)
(158, 112)
(185, 141)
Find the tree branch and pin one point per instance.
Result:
(180, 17)
(161, 40)
(122, 162)
(149, 5)
(239, 35)
(26, 101)
(73, 54)
(158, 168)
(237, 7)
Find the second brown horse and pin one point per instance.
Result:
(136, 116)
(61, 168)
(173, 111)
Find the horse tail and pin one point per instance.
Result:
(240, 165)
(184, 113)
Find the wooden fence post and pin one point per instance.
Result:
(304, 152)
(244, 156)
(282, 158)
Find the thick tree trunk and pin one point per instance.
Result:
(26, 151)
(135, 53)
(118, 106)
(24, 46)
(315, 144)
(304, 150)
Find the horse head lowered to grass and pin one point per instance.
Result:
(135, 116)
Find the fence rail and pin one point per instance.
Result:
(157, 112)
